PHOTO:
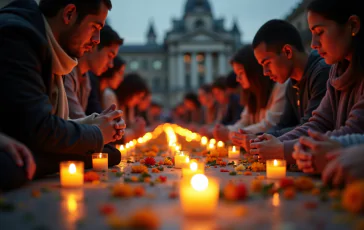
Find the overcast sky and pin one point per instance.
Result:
(131, 17)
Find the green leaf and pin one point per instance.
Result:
(160, 168)
(233, 173)
(119, 174)
(144, 175)
(266, 189)
(231, 163)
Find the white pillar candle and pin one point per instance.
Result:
(276, 169)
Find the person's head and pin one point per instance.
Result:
(144, 103)
(275, 46)
(101, 58)
(232, 85)
(115, 75)
(256, 88)
(205, 95)
(191, 101)
(78, 23)
(132, 90)
(155, 109)
(219, 90)
(336, 30)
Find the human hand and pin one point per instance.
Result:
(267, 147)
(345, 165)
(242, 139)
(221, 133)
(19, 153)
(310, 152)
(111, 124)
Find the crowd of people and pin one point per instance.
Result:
(65, 96)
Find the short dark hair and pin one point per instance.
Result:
(219, 83)
(193, 98)
(118, 63)
(133, 84)
(231, 80)
(339, 11)
(206, 88)
(276, 33)
(109, 37)
(257, 96)
(50, 8)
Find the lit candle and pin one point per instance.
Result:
(193, 168)
(71, 173)
(123, 150)
(203, 142)
(140, 141)
(100, 162)
(180, 159)
(234, 152)
(276, 169)
(211, 147)
(199, 195)
(220, 144)
(213, 141)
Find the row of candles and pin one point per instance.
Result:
(198, 193)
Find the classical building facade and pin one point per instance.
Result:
(196, 50)
(298, 17)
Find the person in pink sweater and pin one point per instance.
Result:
(338, 37)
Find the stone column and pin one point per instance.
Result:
(194, 71)
(222, 63)
(181, 72)
(172, 78)
(208, 68)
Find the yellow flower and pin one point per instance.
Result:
(353, 197)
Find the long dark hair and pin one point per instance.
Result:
(340, 11)
(133, 84)
(257, 96)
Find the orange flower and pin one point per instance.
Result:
(122, 190)
(139, 191)
(144, 219)
(248, 173)
(353, 197)
(289, 193)
(304, 183)
(91, 176)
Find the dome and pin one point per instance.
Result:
(200, 5)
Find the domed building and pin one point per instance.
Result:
(196, 50)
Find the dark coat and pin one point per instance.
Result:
(25, 86)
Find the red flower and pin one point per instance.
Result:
(286, 182)
(107, 209)
(163, 179)
(91, 176)
(149, 161)
(224, 170)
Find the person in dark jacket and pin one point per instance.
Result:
(38, 45)
(278, 47)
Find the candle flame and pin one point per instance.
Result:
(213, 141)
(193, 166)
(100, 155)
(275, 163)
(187, 159)
(140, 140)
(72, 168)
(220, 144)
(204, 139)
(127, 145)
(199, 182)
(121, 147)
(234, 148)
(211, 146)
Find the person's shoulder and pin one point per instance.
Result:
(22, 19)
